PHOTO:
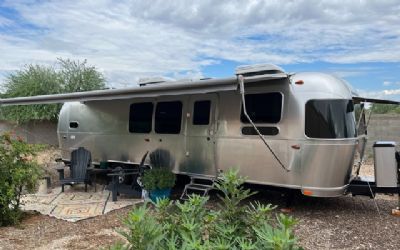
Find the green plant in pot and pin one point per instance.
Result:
(159, 180)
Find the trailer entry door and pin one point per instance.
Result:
(200, 141)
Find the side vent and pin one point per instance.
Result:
(261, 72)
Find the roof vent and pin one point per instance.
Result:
(260, 69)
(152, 80)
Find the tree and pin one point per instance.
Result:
(30, 81)
(67, 76)
(76, 76)
(385, 108)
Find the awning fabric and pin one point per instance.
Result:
(358, 99)
(180, 88)
(162, 89)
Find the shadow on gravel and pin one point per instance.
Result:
(299, 202)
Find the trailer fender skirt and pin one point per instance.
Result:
(324, 191)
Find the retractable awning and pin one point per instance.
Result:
(358, 99)
(163, 89)
(169, 88)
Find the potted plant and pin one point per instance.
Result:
(158, 182)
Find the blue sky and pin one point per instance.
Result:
(127, 40)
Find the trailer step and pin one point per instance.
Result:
(198, 185)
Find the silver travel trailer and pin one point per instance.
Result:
(298, 131)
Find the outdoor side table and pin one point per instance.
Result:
(116, 187)
(97, 171)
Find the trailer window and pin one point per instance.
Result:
(140, 117)
(168, 117)
(263, 130)
(263, 108)
(330, 119)
(73, 125)
(201, 112)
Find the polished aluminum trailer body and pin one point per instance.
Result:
(295, 150)
(318, 167)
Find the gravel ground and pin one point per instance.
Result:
(324, 223)
(330, 223)
(345, 222)
(43, 232)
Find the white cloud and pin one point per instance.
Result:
(391, 83)
(387, 83)
(391, 94)
(131, 39)
(5, 21)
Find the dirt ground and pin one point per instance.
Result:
(47, 159)
(324, 223)
(43, 232)
(331, 223)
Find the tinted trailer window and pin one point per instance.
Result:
(168, 117)
(201, 113)
(263, 108)
(330, 119)
(140, 117)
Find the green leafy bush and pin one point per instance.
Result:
(18, 173)
(191, 225)
(158, 178)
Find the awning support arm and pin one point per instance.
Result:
(241, 87)
(361, 115)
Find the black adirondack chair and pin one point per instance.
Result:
(81, 160)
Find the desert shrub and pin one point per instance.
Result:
(192, 225)
(18, 173)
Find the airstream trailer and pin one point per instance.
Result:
(297, 131)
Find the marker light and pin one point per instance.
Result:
(307, 192)
(299, 82)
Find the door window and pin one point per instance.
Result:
(201, 112)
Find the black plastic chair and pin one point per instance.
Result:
(81, 160)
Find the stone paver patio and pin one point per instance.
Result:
(74, 204)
